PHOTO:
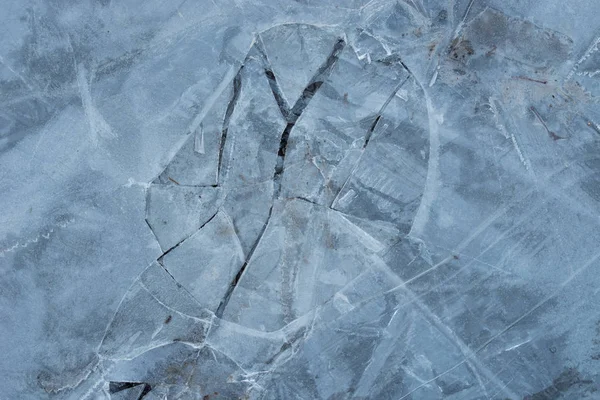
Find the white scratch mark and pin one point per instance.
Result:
(433, 174)
(45, 235)
(212, 98)
(434, 77)
(199, 141)
(98, 126)
(590, 50)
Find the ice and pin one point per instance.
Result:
(323, 149)
(126, 392)
(208, 261)
(386, 184)
(298, 199)
(297, 266)
(175, 212)
(154, 312)
(290, 45)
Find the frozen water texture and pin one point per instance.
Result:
(298, 199)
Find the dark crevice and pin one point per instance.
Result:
(371, 129)
(317, 80)
(146, 390)
(307, 94)
(278, 93)
(273, 83)
(237, 88)
(283, 141)
(304, 199)
(381, 110)
(223, 304)
(406, 68)
(116, 387)
(303, 101)
(292, 116)
(184, 239)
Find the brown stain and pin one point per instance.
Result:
(168, 320)
(176, 372)
(432, 47)
(330, 242)
(225, 231)
(460, 49)
(330, 238)
(174, 181)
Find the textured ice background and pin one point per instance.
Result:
(349, 199)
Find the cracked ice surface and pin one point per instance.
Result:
(241, 199)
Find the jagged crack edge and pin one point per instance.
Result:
(299, 107)
(280, 99)
(237, 87)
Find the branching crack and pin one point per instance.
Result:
(182, 240)
(238, 276)
(273, 83)
(307, 94)
(317, 80)
(291, 117)
(277, 93)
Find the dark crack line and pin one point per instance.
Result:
(277, 93)
(304, 199)
(299, 107)
(237, 88)
(116, 387)
(307, 94)
(283, 143)
(407, 69)
(223, 304)
(146, 390)
(177, 283)
(152, 230)
(317, 80)
(381, 110)
(282, 103)
(184, 239)
(371, 130)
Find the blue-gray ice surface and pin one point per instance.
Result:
(300, 199)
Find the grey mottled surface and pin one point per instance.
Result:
(278, 199)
